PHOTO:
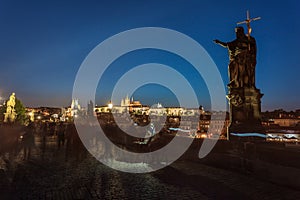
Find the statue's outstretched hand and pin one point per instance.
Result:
(217, 41)
(223, 44)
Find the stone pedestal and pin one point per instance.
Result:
(245, 112)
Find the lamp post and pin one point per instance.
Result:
(31, 116)
(110, 106)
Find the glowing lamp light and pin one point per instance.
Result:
(110, 105)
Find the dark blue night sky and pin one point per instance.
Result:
(43, 44)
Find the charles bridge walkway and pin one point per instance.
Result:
(49, 174)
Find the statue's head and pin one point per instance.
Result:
(239, 30)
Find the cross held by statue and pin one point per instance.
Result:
(247, 22)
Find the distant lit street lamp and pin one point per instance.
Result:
(110, 105)
(31, 116)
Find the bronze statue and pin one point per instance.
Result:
(242, 55)
(243, 97)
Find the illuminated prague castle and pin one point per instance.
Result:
(125, 102)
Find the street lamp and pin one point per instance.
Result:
(110, 105)
(31, 116)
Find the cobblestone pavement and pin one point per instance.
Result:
(247, 186)
(49, 176)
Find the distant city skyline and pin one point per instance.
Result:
(44, 43)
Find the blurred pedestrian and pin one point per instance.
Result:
(28, 140)
(44, 138)
(69, 135)
(60, 135)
